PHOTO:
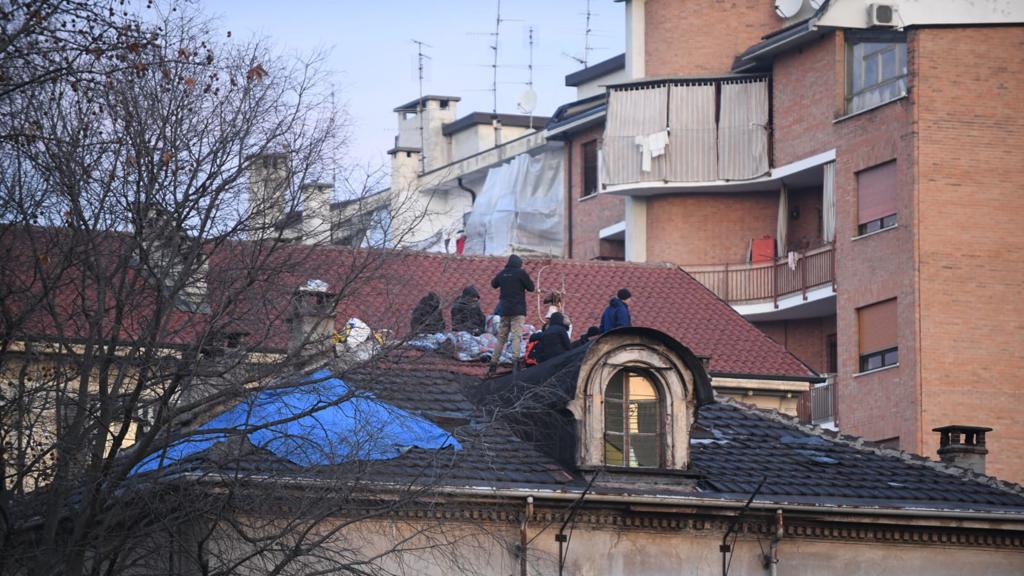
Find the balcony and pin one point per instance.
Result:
(680, 132)
(759, 289)
(818, 405)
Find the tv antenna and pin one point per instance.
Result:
(420, 59)
(494, 67)
(584, 60)
(528, 99)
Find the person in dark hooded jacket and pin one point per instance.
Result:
(513, 283)
(555, 338)
(426, 316)
(616, 315)
(466, 313)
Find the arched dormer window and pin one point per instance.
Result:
(632, 414)
(635, 401)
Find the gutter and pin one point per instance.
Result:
(667, 502)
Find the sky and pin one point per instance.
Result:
(373, 59)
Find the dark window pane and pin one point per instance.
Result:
(613, 416)
(647, 417)
(874, 361)
(589, 167)
(889, 64)
(613, 450)
(870, 70)
(891, 357)
(643, 451)
(614, 389)
(889, 221)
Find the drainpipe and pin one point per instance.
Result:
(771, 559)
(472, 194)
(523, 543)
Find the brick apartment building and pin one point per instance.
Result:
(847, 175)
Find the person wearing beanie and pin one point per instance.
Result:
(466, 313)
(555, 338)
(616, 315)
(513, 283)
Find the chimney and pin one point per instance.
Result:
(311, 319)
(963, 446)
(269, 178)
(316, 212)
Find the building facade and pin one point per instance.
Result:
(833, 173)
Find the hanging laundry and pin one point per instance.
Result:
(651, 146)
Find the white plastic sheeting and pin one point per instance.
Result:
(519, 208)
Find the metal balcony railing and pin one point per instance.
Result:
(823, 401)
(768, 282)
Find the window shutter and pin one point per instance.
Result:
(877, 324)
(876, 192)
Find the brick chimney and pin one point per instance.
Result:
(963, 446)
(311, 319)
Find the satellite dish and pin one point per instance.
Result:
(788, 8)
(527, 101)
(815, 3)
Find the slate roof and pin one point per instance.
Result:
(733, 445)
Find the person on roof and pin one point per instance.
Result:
(466, 313)
(616, 315)
(556, 303)
(426, 316)
(592, 332)
(513, 283)
(555, 338)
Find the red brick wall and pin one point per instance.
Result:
(695, 229)
(588, 215)
(807, 98)
(970, 111)
(805, 338)
(678, 41)
(805, 230)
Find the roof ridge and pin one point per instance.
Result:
(859, 443)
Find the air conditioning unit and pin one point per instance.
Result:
(881, 15)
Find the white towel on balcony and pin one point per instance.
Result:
(651, 146)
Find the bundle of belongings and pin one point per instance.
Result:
(467, 347)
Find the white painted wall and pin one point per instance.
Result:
(854, 13)
(596, 86)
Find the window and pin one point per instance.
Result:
(832, 351)
(877, 325)
(876, 69)
(589, 168)
(631, 412)
(876, 198)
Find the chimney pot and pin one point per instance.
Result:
(963, 446)
(311, 321)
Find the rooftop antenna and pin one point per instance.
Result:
(494, 66)
(528, 99)
(586, 37)
(420, 59)
(584, 60)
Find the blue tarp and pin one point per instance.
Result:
(326, 423)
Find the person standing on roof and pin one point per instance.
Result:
(466, 313)
(513, 283)
(616, 315)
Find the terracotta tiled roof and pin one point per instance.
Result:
(664, 297)
(381, 288)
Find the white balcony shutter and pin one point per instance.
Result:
(828, 203)
(743, 130)
(633, 111)
(692, 156)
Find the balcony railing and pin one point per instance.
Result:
(818, 405)
(687, 130)
(768, 282)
